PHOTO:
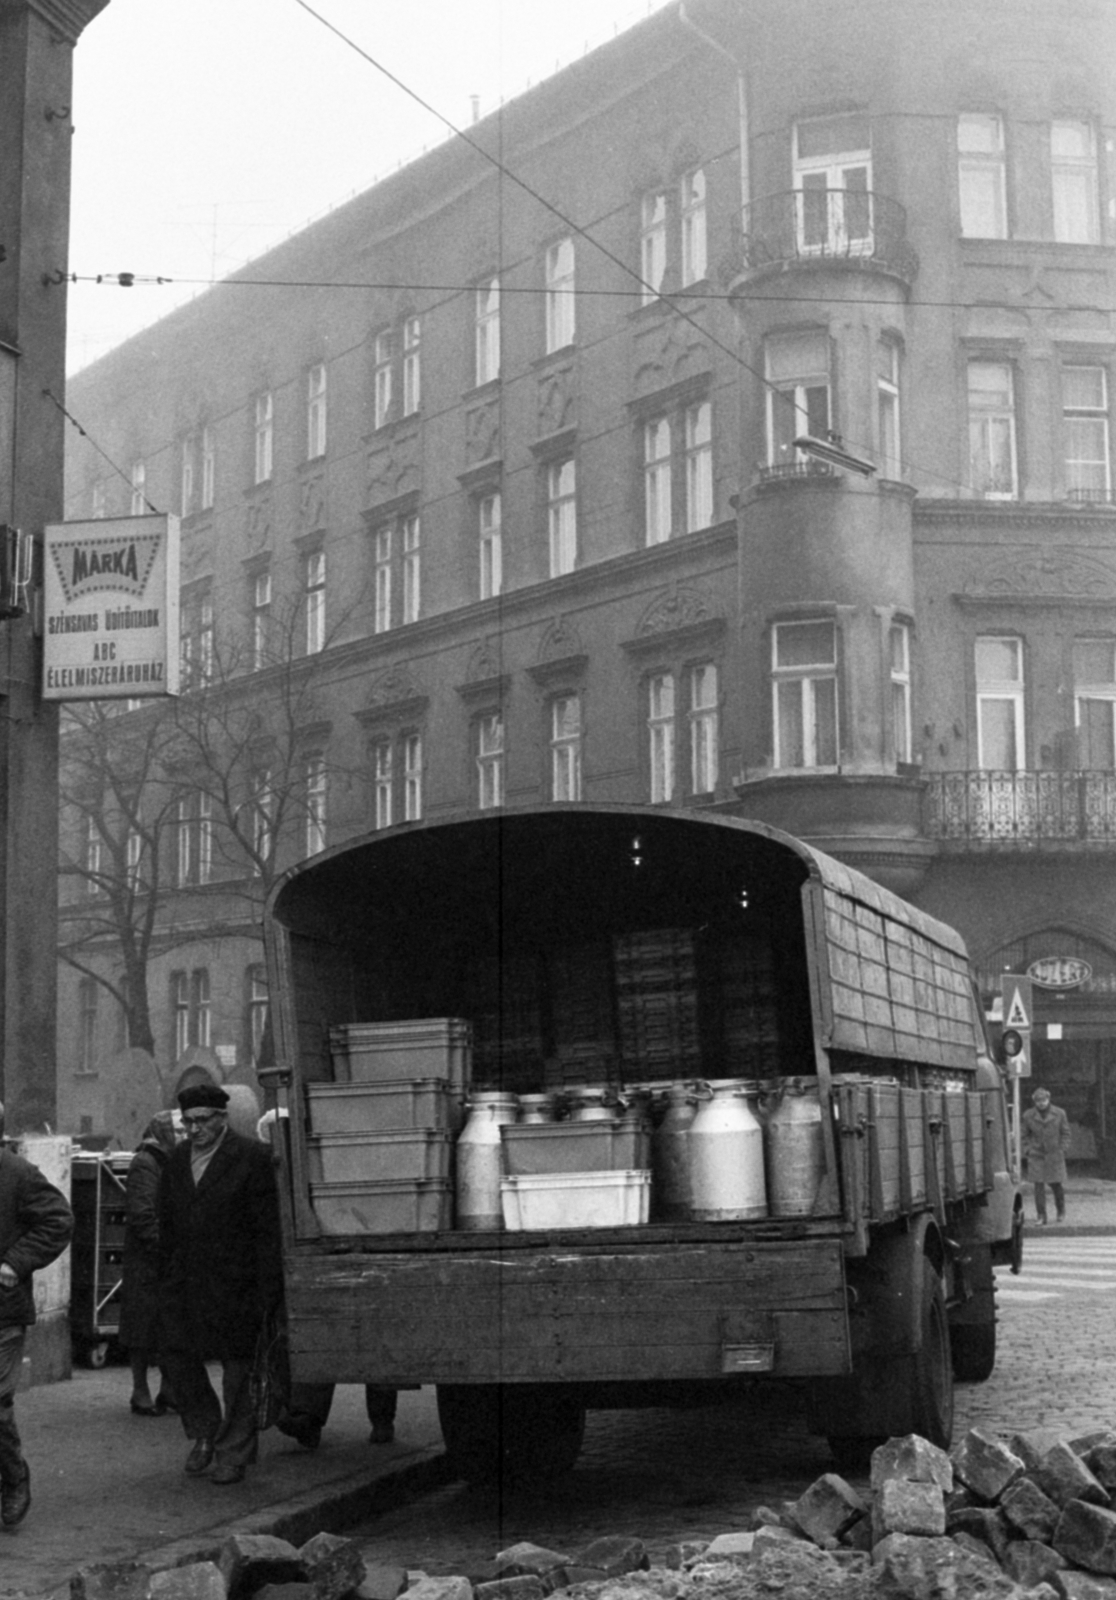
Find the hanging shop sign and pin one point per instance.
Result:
(1059, 972)
(110, 602)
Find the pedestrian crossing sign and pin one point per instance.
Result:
(1017, 1008)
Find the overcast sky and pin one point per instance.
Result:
(208, 130)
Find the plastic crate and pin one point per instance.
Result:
(547, 1201)
(411, 1153)
(531, 1148)
(425, 1206)
(427, 1047)
(382, 1107)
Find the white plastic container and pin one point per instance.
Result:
(382, 1107)
(552, 1200)
(422, 1207)
(398, 1157)
(425, 1047)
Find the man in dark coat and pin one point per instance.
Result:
(35, 1227)
(220, 1273)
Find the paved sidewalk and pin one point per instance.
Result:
(109, 1486)
(1090, 1208)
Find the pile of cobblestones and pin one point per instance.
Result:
(1026, 1518)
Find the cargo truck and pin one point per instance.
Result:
(639, 948)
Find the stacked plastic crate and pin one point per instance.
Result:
(381, 1134)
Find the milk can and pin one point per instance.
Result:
(592, 1104)
(794, 1148)
(479, 1161)
(726, 1154)
(670, 1156)
(535, 1108)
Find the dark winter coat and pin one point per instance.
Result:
(139, 1294)
(1046, 1138)
(219, 1254)
(35, 1227)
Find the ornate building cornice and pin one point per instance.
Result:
(66, 17)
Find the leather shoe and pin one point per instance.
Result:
(15, 1499)
(227, 1474)
(162, 1406)
(304, 1429)
(200, 1456)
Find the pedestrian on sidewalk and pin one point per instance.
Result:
(308, 1410)
(35, 1227)
(220, 1276)
(139, 1278)
(1046, 1137)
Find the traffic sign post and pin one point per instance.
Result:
(1015, 1042)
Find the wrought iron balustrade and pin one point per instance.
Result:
(828, 225)
(1030, 810)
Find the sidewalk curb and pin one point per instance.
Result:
(332, 1509)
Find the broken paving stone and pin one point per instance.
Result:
(382, 1583)
(111, 1580)
(525, 1586)
(614, 1554)
(829, 1507)
(1086, 1536)
(1100, 1458)
(730, 1546)
(198, 1580)
(451, 1588)
(248, 1561)
(773, 1536)
(986, 1523)
(1030, 1510)
(1030, 1562)
(334, 1565)
(905, 1507)
(1032, 1445)
(906, 1567)
(914, 1458)
(1064, 1477)
(1085, 1586)
(985, 1464)
(527, 1557)
(975, 1546)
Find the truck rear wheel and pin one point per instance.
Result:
(525, 1432)
(973, 1339)
(931, 1374)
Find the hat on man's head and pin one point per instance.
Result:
(202, 1094)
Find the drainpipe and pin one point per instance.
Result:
(741, 103)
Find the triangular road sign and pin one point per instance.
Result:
(1016, 1013)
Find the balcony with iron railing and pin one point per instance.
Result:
(854, 228)
(1050, 811)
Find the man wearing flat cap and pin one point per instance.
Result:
(220, 1273)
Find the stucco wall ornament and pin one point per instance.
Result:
(1048, 573)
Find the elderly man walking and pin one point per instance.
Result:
(221, 1272)
(1046, 1138)
(35, 1227)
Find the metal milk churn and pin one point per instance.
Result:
(670, 1156)
(794, 1148)
(726, 1154)
(479, 1161)
(536, 1108)
(592, 1104)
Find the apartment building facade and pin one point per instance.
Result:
(500, 458)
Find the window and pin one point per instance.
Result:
(138, 501)
(263, 805)
(383, 354)
(197, 639)
(704, 716)
(194, 840)
(187, 476)
(184, 841)
(561, 497)
(1073, 172)
(999, 686)
(315, 781)
(656, 481)
(565, 747)
(1094, 682)
(397, 774)
(489, 735)
(382, 582)
(208, 468)
(804, 672)
(560, 320)
(797, 370)
(992, 460)
(316, 412)
(660, 736)
(191, 1009)
(491, 547)
(1086, 432)
(261, 620)
(833, 180)
(683, 500)
(653, 244)
(314, 587)
(981, 177)
(257, 1009)
(412, 366)
(412, 569)
(93, 855)
(694, 253)
(488, 331)
(887, 408)
(87, 1025)
(899, 647)
(264, 436)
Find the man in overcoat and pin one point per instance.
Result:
(1046, 1138)
(35, 1227)
(220, 1274)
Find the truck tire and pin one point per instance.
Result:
(524, 1433)
(973, 1339)
(931, 1367)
